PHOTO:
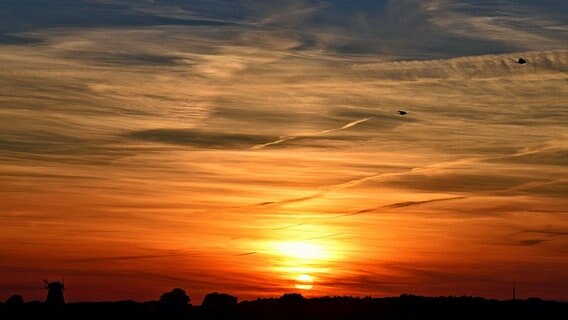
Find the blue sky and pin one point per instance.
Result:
(408, 28)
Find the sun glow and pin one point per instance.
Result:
(302, 250)
(304, 282)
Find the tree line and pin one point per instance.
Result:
(176, 304)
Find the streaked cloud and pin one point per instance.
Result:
(130, 137)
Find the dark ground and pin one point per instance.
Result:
(294, 306)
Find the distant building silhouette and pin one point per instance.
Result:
(55, 292)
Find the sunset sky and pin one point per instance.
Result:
(233, 146)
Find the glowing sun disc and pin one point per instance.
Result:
(304, 282)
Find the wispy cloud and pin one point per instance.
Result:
(128, 138)
(506, 22)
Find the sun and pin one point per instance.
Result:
(301, 259)
(304, 282)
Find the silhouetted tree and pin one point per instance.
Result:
(294, 306)
(15, 300)
(176, 297)
(219, 306)
(14, 308)
(174, 305)
(216, 300)
(292, 298)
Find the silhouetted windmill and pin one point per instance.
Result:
(55, 292)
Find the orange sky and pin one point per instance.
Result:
(245, 164)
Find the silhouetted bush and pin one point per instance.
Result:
(219, 306)
(176, 297)
(219, 300)
(15, 300)
(174, 305)
(292, 298)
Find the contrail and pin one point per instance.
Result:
(309, 134)
(351, 124)
(282, 139)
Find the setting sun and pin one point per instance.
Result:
(304, 282)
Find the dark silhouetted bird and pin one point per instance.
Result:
(521, 61)
(402, 112)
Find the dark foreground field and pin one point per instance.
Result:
(294, 306)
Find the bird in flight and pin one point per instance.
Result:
(401, 112)
(521, 61)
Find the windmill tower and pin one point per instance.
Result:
(54, 292)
